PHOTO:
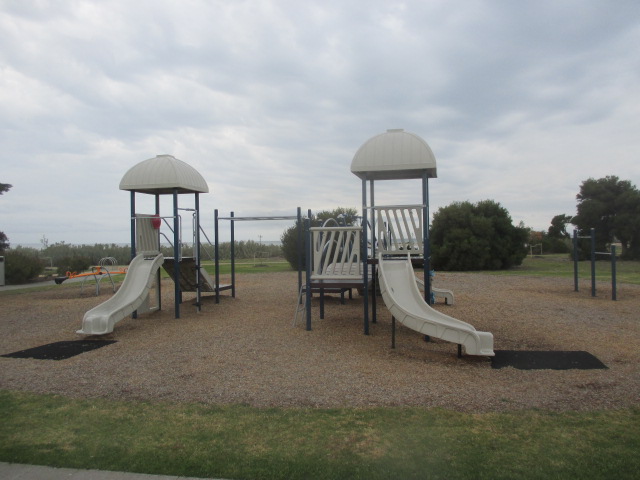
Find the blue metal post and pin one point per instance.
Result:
(613, 273)
(197, 252)
(374, 278)
(307, 249)
(133, 235)
(233, 257)
(300, 247)
(133, 225)
(216, 254)
(593, 262)
(159, 274)
(176, 254)
(365, 269)
(575, 260)
(425, 238)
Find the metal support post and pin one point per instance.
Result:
(216, 254)
(575, 260)
(593, 262)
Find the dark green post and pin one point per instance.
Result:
(575, 260)
(613, 273)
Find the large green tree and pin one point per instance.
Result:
(289, 238)
(4, 241)
(612, 207)
(480, 236)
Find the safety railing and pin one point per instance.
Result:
(336, 253)
(400, 229)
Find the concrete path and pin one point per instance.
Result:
(16, 471)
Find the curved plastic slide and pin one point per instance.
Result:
(402, 297)
(131, 294)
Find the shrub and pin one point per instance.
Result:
(481, 236)
(21, 266)
(74, 263)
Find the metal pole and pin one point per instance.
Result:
(374, 278)
(307, 249)
(176, 255)
(197, 253)
(233, 257)
(613, 273)
(365, 270)
(575, 260)
(216, 254)
(133, 225)
(593, 262)
(300, 247)
(425, 239)
(159, 274)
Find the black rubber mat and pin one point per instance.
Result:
(545, 360)
(60, 350)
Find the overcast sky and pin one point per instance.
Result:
(520, 102)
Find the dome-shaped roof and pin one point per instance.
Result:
(394, 155)
(161, 175)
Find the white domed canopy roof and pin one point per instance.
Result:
(394, 155)
(163, 174)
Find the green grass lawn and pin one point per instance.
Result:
(259, 265)
(366, 443)
(562, 266)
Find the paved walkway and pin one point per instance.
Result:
(16, 471)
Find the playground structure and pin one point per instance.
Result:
(98, 272)
(338, 257)
(162, 175)
(352, 257)
(593, 253)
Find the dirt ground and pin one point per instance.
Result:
(245, 350)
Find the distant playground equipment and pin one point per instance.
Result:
(98, 272)
(388, 244)
(611, 254)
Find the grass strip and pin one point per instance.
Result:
(562, 266)
(240, 442)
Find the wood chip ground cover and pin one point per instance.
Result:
(245, 350)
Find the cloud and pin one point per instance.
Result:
(269, 101)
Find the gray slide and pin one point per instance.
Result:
(133, 292)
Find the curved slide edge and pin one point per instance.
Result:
(402, 297)
(131, 294)
(437, 292)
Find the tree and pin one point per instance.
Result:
(481, 236)
(612, 207)
(4, 241)
(558, 228)
(289, 238)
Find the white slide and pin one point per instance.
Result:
(403, 299)
(129, 297)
